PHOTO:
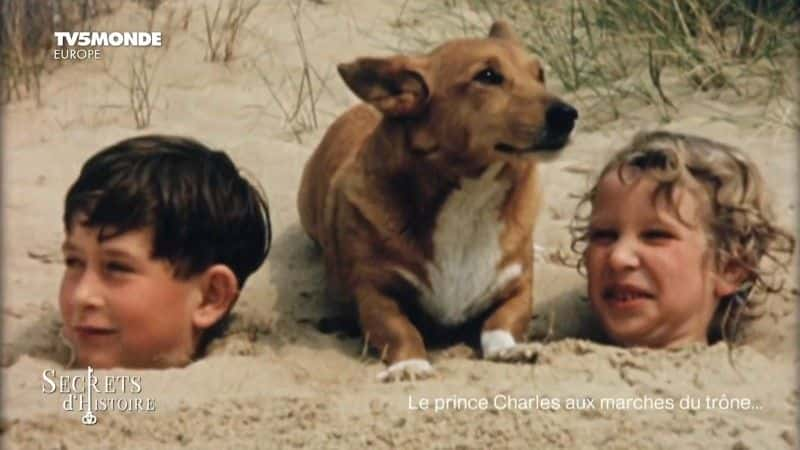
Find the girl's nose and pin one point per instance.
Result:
(624, 255)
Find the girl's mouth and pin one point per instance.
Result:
(625, 295)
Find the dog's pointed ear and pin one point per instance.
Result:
(397, 86)
(502, 30)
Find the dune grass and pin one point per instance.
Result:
(223, 26)
(613, 57)
(610, 57)
(27, 27)
(26, 39)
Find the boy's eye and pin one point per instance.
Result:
(118, 267)
(73, 262)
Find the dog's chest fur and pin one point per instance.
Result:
(464, 273)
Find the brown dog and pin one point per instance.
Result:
(424, 198)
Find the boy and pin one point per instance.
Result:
(161, 235)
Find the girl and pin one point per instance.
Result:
(675, 240)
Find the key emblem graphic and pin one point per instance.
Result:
(89, 418)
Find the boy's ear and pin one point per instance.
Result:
(397, 86)
(730, 279)
(220, 291)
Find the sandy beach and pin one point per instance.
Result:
(275, 381)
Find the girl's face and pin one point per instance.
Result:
(651, 276)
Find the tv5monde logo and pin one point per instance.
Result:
(83, 45)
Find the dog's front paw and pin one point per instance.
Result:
(527, 352)
(410, 369)
(499, 345)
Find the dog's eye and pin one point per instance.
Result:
(489, 76)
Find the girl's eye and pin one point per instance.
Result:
(489, 76)
(657, 235)
(599, 235)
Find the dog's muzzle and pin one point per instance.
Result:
(559, 121)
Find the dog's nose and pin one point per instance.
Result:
(560, 118)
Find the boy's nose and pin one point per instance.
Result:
(88, 291)
(623, 255)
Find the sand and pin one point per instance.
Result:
(275, 381)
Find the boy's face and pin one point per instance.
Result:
(651, 277)
(122, 308)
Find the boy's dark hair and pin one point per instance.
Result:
(201, 210)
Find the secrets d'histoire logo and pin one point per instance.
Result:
(91, 394)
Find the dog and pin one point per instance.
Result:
(423, 198)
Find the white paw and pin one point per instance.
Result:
(409, 369)
(539, 252)
(527, 352)
(494, 341)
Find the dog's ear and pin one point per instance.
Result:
(502, 30)
(397, 86)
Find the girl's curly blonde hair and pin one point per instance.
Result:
(740, 223)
